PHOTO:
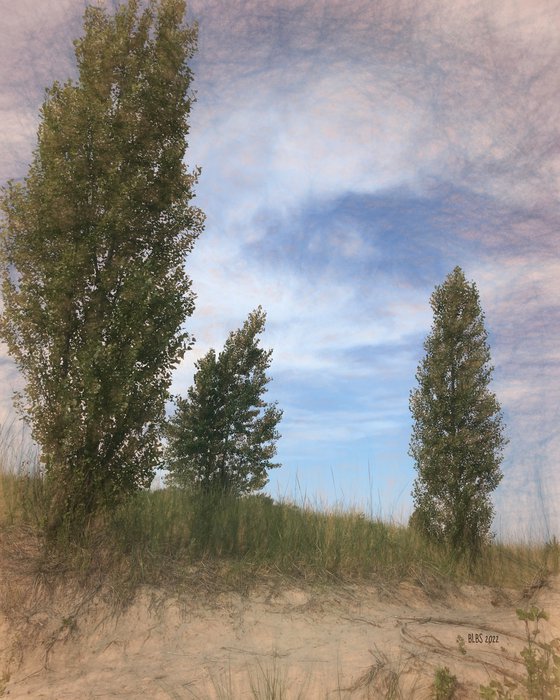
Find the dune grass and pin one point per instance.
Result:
(172, 538)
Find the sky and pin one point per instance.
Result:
(353, 153)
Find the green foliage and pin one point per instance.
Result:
(445, 684)
(92, 256)
(541, 661)
(222, 437)
(457, 438)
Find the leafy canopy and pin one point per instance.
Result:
(93, 249)
(222, 437)
(458, 434)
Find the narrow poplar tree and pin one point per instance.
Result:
(458, 434)
(222, 437)
(92, 259)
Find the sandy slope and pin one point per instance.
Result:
(341, 642)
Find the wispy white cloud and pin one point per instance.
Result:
(310, 319)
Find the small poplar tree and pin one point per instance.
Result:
(94, 242)
(222, 437)
(458, 434)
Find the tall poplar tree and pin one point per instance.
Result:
(93, 248)
(222, 437)
(458, 433)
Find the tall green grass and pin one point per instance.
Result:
(173, 538)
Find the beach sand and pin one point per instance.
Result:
(336, 641)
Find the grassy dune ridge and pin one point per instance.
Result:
(157, 537)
